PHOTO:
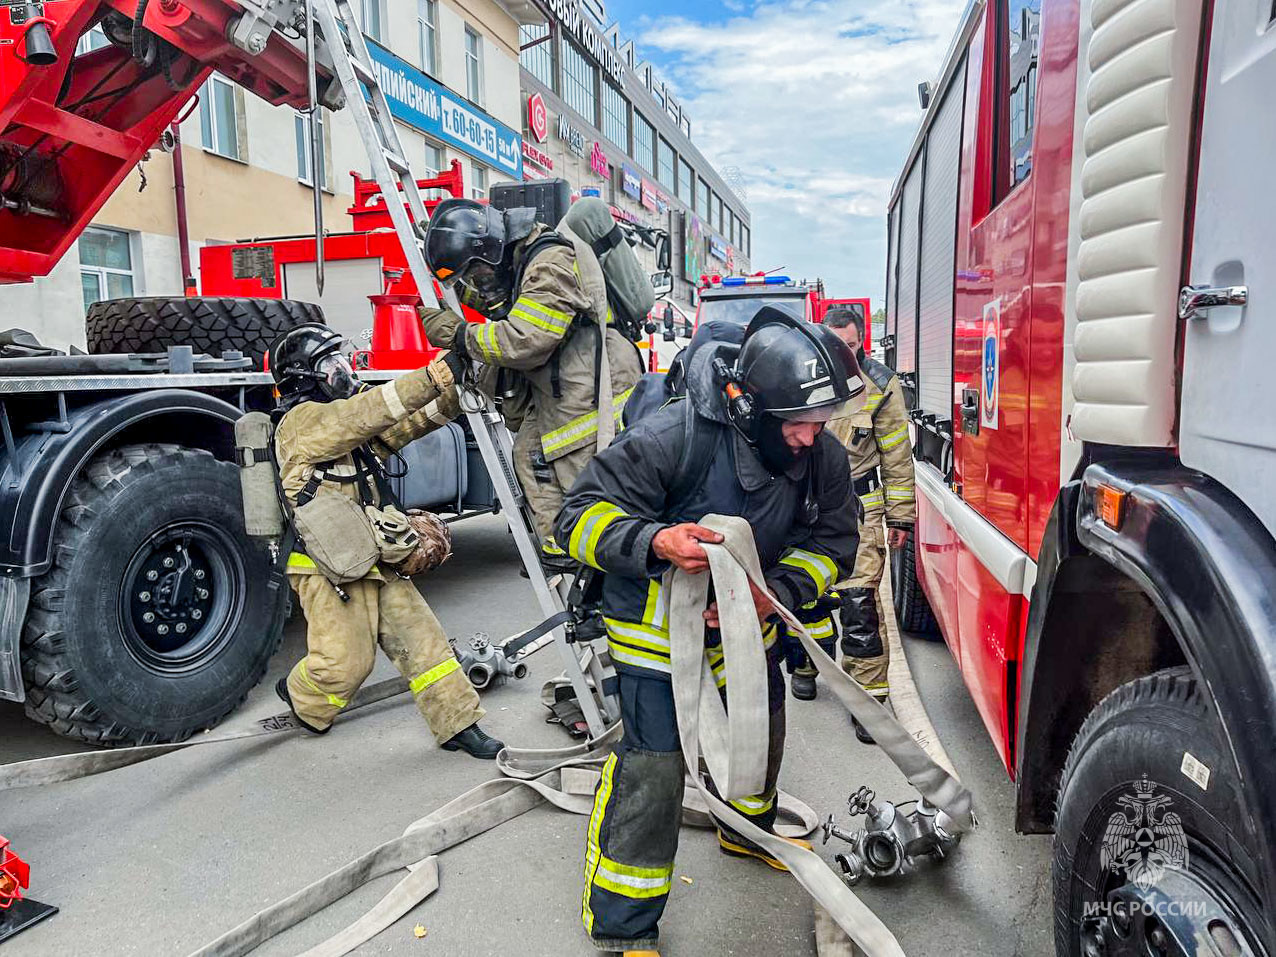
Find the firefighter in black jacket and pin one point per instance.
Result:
(764, 457)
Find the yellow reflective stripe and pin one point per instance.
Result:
(335, 700)
(551, 547)
(878, 689)
(899, 493)
(424, 680)
(872, 499)
(623, 654)
(637, 883)
(874, 400)
(581, 427)
(640, 636)
(593, 849)
(485, 338)
(656, 614)
(892, 439)
(821, 629)
(753, 805)
(540, 322)
(821, 568)
(583, 544)
(299, 560)
(531, 305)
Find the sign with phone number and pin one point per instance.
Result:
(435, 110)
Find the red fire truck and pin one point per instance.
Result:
(1080, 316)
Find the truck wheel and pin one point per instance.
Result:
(912, 610)
(212, 325)
(159, 613)
(1152, 833)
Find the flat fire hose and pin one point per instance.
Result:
(732, 741)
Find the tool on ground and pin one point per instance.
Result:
(17, 913)
(733, 744)
(893, 838)
(485, 664)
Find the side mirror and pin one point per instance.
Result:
(662, 282)
(662, 252)
(670, 335)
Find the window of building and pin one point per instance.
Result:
(106, 265)
(537, 60)
(664, 164)
(1020, 48)
(702, 199)
(644, 138)
(95, 39)
(686, 191)
(301, 124)
(473, 66)
(427, 25)
(478, 185)
(615, 116)
(219, 117)
(744, 239)
(372, 18)
(435, 161)
(715, 217)
(580, 83)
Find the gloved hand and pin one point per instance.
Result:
(441, 326)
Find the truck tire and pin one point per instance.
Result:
(912, 610)
(1153, 740)
(210, 325)
(158, 531)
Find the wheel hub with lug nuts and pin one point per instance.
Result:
(1172, 918)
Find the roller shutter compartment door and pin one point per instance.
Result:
(938, 255)
(892, 261)
(906, 303)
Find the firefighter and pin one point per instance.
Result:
(547, 342)
(772, 465)
(333, 434)
(881, 458)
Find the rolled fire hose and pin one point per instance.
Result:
(732, 741)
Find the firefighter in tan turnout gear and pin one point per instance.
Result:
(329, 446)
(876, 437)
(543, 333)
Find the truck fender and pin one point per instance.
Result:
(34, 485)
(1207, 566)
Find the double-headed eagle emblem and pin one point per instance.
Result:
(1144, 838)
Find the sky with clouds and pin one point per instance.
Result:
(815, 101)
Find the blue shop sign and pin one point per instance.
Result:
(437, 111)
(631, 181)
(717, 248)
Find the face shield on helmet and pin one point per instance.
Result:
(336, 376)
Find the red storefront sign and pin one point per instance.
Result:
(537, 117)
(598, 161)
(649, 196)
(533, 155)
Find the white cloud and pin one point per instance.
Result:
(816, 102)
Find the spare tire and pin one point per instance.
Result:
(209, 325)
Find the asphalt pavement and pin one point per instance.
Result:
(162, 857)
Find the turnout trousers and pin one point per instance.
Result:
(545, 483)
(342, 639)
(865, 656)
(633, 831)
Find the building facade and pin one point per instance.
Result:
(450, 69)
(599, 117)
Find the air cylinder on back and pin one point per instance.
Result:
(263, 517)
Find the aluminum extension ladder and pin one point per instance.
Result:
(339, 26)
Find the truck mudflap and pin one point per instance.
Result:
(1209, 567)
(14, 594)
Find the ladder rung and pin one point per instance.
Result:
(397, 162)
(362, 73)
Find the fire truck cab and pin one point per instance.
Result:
(1081, 305)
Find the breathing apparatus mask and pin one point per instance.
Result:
(336, 377)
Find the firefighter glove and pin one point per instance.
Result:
(441, 327)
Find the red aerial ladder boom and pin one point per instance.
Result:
(72, 127)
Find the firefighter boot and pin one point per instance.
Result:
(737, 846)
(281, 689)
(476, 742)
(803, 681)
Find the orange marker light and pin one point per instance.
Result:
(1110, 504)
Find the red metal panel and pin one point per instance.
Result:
(936, 549)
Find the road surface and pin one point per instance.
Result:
(160, 858)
